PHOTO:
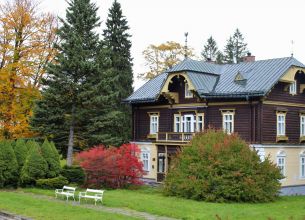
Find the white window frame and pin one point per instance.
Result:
(302, 165)
(145, 156)
(187, 93)
(192, 123)
(225, 121)
(177, 123)
(198, 122)
(280, 120)
(293, 88)
(281, 161)
(154, 123)
(302, 125)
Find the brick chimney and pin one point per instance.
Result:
(249, 58)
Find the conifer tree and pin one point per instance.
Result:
(57, 115)
(21, 152)
(235, 48)
(210, 50)
(51, 158)
(117, 44)
(35, 166)
(8, 165)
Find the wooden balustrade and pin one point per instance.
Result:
(175, 136)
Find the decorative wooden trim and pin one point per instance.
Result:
(170, 77)
(302, 87)
(231, 103)
(281, 138)
(191, 105)
(152, 136)
(290, 104)
(153, 113)
(302, 139)
(289, 75)
(227, 110)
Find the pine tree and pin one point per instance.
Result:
(35, 166)
(8, 165)
(210, 50)
(117, 44)
(21, 152)
(51, 158)
(235, 48)
(57, 115)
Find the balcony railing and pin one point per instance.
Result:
(175, 136)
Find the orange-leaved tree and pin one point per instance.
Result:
(26, 47)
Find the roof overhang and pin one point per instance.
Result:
(289, 75)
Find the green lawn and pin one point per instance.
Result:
(29, 206)
(152, 201)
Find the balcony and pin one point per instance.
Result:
(181, 137)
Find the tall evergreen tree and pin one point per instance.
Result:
(113, 127)
(8, 165)
(57, 114)
(21, 152)
(235, 48)
(51, 158)
(210, 50)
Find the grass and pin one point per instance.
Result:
(29, 206)
(152, 201)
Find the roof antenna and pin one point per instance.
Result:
(185, 46)
(292, 42)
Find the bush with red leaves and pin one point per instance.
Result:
(112, 167)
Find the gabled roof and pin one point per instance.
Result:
(214, 80)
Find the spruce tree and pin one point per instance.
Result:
(117, 45)
(51, 158)
(8, 165)
(210, 50)
(57, 115)
(235, 48)
(21, 152)
(35, 166)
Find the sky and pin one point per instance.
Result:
(268, 26)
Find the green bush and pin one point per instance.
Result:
(21, 152)
(219, 167)
(51, 158)
(35, 166)
(74, 174)
(52, 183)
(8, 165)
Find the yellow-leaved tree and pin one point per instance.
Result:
(26, 47)
(159, 58)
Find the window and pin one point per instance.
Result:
(177, 123)
(200, 122)
(302, 125)
(188, 93)
(280, 161)
(154, 124)
(302, 165)
(188, 123)
(228, 122)
(145, 157)
(281, 124)
(293, 88)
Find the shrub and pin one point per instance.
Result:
(35, 166)
(21, 152)
(8, 165)
(52, 183)
(51, 158)
(219, 167)
(112, 167)
(74, 174)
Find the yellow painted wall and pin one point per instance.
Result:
(292, 165)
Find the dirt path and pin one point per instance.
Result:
(122, 211)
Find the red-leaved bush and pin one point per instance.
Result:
(112, 167)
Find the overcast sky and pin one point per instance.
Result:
(268, 26)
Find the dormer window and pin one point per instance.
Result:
(293, 88)
(188, 93)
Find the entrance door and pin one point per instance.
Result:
(188, 123)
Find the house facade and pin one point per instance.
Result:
(263, 101)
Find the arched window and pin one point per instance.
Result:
(302, 164)
(281, 161)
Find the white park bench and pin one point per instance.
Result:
(66, 191)
(95, 194)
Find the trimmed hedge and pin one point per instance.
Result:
(51, 158)
(218, 167)
(52, 183)
(8, 165)
(74, 174)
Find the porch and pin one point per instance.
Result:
(176, 137)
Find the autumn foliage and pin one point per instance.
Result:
(112, 167)
(219, 167)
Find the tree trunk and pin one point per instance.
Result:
(71, 139)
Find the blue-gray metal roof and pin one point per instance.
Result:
(213, 80)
